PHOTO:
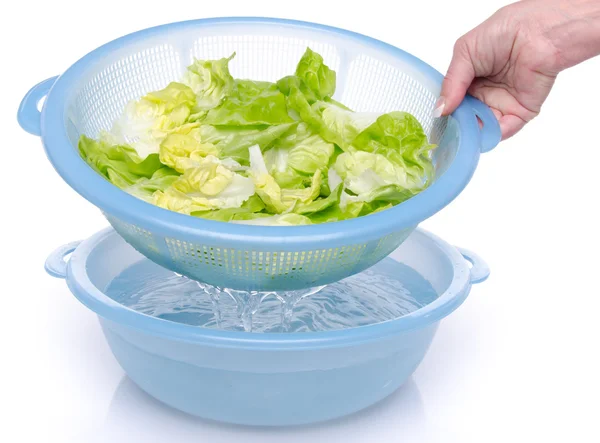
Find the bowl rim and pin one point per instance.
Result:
(121, 205)
(96, 300)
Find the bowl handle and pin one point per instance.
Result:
(28, 115)
(490, 133)
(56, 265)
(480, 271)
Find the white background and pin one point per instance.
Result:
(517, 362)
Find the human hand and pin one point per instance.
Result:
(511, 60)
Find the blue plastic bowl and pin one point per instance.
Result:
(372, 76)
(271, 379)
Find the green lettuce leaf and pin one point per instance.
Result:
(297, 156)
(234, 141)
(400, 138)
(363, 172)
(209, 186)
(347, 207)
(392, 194)
(145, 188)
(274, 220)
(146, 122)
(315, 75)
(373, 207)
(295, 135)
(209, 178)
(278, 199)
(266, 186)
(250, 104)
(291, 197)
(276, 160)
(341, 126)
(119, 164)
(311, 154)
(256, 152)
(341, 207)
(314, 79)
(183, 149)
(319, 204)
(338, 126)
(299, 103)
(251, 207)
(291, 179)
(210, 81)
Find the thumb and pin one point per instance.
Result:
(459, 77)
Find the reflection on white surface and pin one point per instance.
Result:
(135, 416)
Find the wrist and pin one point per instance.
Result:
(572, 27)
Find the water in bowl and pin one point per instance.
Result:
(384, 292)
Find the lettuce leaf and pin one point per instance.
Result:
(333, 123)
(363, 172)
(120, 164)
(234, 141)
(277, 199)
(146, 122)
(340, 206)
(291, 197)
(296, 157)
(251, 104)
(314, 79)
(276, 160)
(210, 81)
(145, 188)
(266, 186)
(320, 204)
(400, 138)
(252, 206)
(183, 150)
(274, 220)
(209, 186)
(257, 152)
(310, 155)
(341, 126)
(315, 75)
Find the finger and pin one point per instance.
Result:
(510, 125)
(479, 93)
(497, 113)
(459, 77)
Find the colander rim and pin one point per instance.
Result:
(96, 300)
(119, 204)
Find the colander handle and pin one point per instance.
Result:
(28, 115)
(56, 265)
(490, 134)
(480, 271)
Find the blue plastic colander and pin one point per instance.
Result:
(372, 76)
(269, 379)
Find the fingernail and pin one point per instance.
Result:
(439, 107)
